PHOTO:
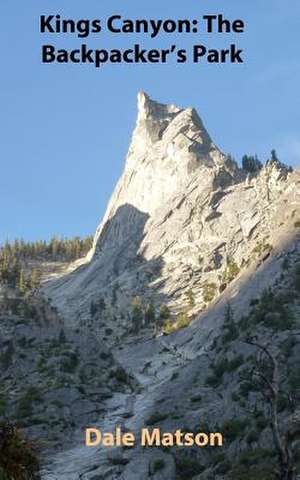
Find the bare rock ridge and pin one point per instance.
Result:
(183, 223)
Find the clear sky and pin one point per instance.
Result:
(65, 130)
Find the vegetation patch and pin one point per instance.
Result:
(209, 292)
(156, 418)
(18, 457)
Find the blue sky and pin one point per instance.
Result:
(65, 130)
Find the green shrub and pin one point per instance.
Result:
(285, 264)
(253, 436)
(213, 381)
(7, 357)
(231, 334)
(294, 379)
(247, 387)
(221, 367)
(234, 428)
(18, 457)
(235, 397)
(168, 327)
(70, 364)
(191, 297)
(3, 406)
(182, 321)
(164, 312)
(26, 402)
(223, 467)
(174, 375)
(273, 312)
(158, 465)
(156, 418)
(150, 315)
(188, 467)
(283, 403)
(209, 292)
(120, 375)
(262, 247)
(231, 271)
(261, 422)
(196, 399)
(262, 471)
(297, 278)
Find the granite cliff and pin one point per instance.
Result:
(183, 222)
(194, 270)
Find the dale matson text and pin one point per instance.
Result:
(151, 438)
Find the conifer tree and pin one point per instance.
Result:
(150, 314)
(22, 282)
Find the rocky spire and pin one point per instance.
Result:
(180, 210)
(170, 148)
(168, 130)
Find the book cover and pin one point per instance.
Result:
(149, 240)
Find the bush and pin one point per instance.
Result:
(70, 364)
(158, 465)
(18, 457)
(251, 164)
(164, 312)
(297, 278)
(209, 292)
(188, 467)
(7, 357)
(120, 375)
(247, 387)
(3, 406)
(221, 367)
(26, 402)
(294, 380)
(223, 467)
(182, 321)
(231, 271)
(262, 247)
(156, 418)
(213, 381)
(285, 264)
(191, 297)
(253, 436)
(234, 428)
(231, 333)
(261, 422)
(196, 398)
(273, 312)
(150, 314)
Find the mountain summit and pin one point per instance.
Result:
(170, 147)
(183, 223)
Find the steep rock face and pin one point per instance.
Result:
(182, 223)
(169, 148)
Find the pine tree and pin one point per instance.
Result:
(164, 312)
(150, 314)
(22, 283)
(137, 314)
(251, 164)
(35, 279)
(274, 158)
(62, 337)
(93, 309)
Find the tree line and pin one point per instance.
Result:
(15, 258)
